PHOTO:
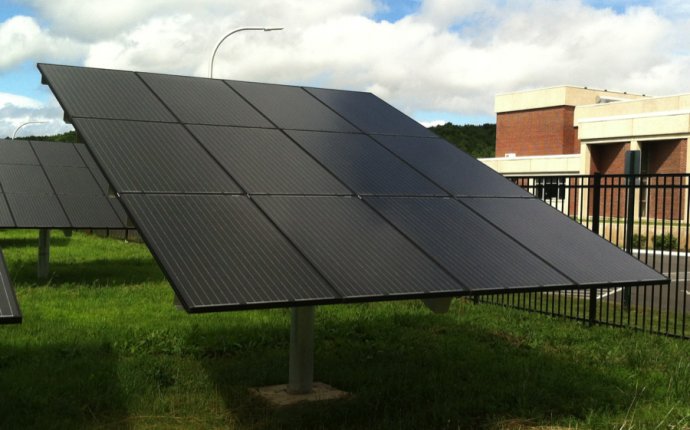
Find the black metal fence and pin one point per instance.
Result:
(647, 216)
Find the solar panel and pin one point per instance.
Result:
(219, 251)
(240, 214)
(465, 244)
(153, 157)
(544, 230)
(267, 161)
(453, 170)
(363, 165)
(37, 211)
(53, 191)
(9, 308)
(358, 252)
(16, 152)
(57, 154)
(291, 107)
(5, 215)
(369, 113)
(203, 101)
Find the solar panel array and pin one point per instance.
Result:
(258, 195)
(9, 308)
(54, 185)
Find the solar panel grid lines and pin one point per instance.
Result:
(9, 308)
(252, 263)
(585, 258)
(369, 113)
(203, 101)
(471, 250)
(17, 152)
(451, 169)
(82, 92)
(351, 244)
(6, 218)
(267, 161)
(58, 154)
(153, 157)
(364, 166)
(291, 108)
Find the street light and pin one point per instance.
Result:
(26, 123)
(237, 30)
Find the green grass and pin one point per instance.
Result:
(102, 346)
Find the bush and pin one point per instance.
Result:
(665, 242)
(639, 241)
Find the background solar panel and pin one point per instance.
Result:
(73, 180)
(363, 165)
(267, 161)
(57, 154)
(24, 179)
(292, 107)
(220, 251)
(9, 308)
(203, 101)
(544, 230)
(454, 170)
(89, 211)
(472, 250)
(153, 157)
(369, 113)
(359, 253)
(37, 211)
(5, 215)
(16, 152)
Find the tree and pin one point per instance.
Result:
(477, 140)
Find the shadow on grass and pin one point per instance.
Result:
(96, 273)
(408, 372)
(60, 386)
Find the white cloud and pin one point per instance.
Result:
(17, 110)
(450, 55)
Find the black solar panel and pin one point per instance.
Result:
(16, 152)
(363, 165)
(57, 154)
(240, 214)
(153, 157)
(55, 193)
(203, 101)
(577, 252)
(5, 215)
(267, 161)
(226, 245)
(9, 308)
(291, 107)
(453, 170)
(359, 253)
(469, 247)
(369, 113)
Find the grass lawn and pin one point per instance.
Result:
(102, 346)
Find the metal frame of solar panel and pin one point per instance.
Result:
(9, 308)
(257, 195)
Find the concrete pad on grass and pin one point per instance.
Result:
(277, 395)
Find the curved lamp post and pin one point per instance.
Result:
(237, 30)
(26, 123)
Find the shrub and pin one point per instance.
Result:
(666, 242)
(639, 241)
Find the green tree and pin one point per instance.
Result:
(477, 140)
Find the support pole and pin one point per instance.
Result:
(43, 253)
(301, 372)
(632, 168)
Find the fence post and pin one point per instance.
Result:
(632, 168)
(596, 202)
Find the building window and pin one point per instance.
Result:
(550, 188)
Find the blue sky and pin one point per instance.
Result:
(437, 60)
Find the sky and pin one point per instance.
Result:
(436, 60)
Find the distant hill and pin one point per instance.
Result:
(477, 140)
(70, 136)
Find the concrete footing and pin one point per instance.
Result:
(278, 395)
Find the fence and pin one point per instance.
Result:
(646, 215)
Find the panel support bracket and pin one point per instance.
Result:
(43, 253)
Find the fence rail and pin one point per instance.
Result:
(647, 216)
